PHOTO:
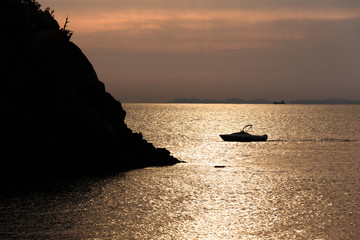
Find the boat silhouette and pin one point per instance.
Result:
(243, 136)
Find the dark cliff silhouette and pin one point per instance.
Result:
(57, 120)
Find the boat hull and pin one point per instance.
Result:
(241, 138)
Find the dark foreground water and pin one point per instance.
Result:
(303, 183)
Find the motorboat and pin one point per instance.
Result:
(244, 136)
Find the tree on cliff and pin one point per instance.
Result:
(68, 33)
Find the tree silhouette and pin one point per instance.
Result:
(31, 3)
(47, 16)
(68, 33)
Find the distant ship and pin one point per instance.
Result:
(282, 102)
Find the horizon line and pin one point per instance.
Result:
(333, 100)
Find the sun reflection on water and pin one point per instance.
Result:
(303, 183)
(270, 190)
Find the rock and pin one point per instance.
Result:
(57, 118)
(219, 166)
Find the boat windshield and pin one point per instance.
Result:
(246, 128)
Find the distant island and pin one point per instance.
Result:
(264, 101)
(229, 100)
(326, 101)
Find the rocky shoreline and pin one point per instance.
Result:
(58, 120)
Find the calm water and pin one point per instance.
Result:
(303, 183)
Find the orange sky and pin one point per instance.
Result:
(155, 50)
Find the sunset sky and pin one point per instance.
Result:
(158, 50)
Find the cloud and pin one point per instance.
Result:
(157, 49)
(163, 30)
(138, 20)
(80, 5)
(158, 25)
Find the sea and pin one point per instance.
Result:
(302, 183)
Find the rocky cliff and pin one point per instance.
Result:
(57, 118)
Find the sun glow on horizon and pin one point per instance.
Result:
(137, 20)
(186, 30)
